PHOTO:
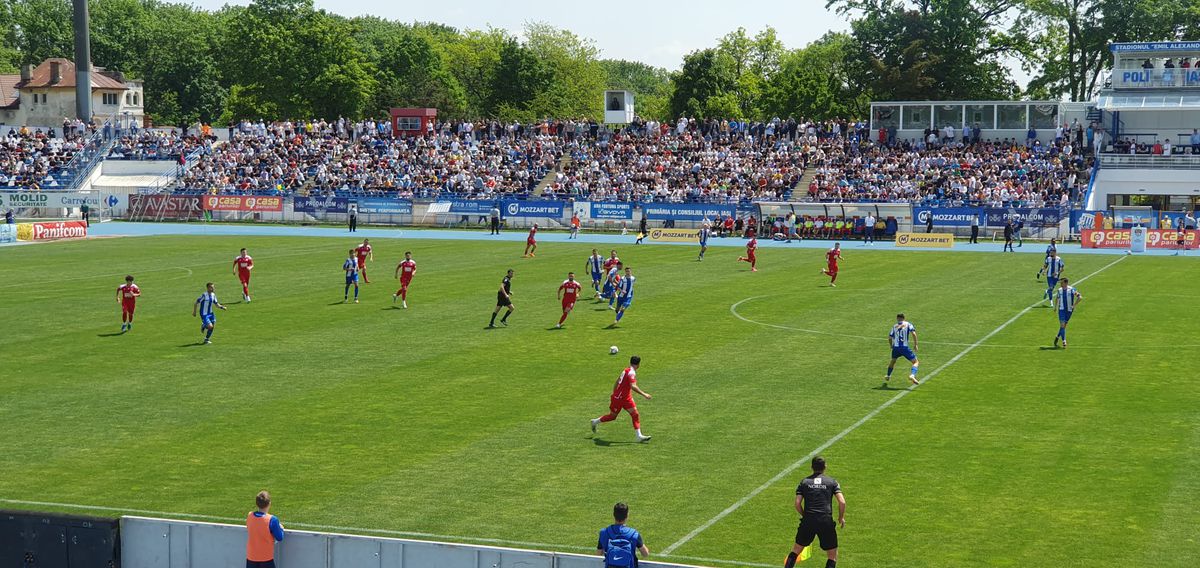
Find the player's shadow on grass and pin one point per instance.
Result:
(115, 334)
(196, 344)
(552, 328)
(234, 303)
(607, 443)
(1049, 348)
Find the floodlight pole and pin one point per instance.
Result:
(83, 61)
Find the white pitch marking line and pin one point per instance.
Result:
(335, 528)
(795, 465)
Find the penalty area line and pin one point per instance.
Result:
(872, 414)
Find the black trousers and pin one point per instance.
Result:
(975, 234)
(495, 226)
(353, 223)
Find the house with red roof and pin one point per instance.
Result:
(43, 95)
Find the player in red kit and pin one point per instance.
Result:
(127, 294)
(363, 252)
(531, 241)
(622, 399)
(611, 261)
(242, 265)
(568, 292)
(751, 257)
(832, 256)
(405, 272)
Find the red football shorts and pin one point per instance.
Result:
(128, 307)
(568, 305)
(244, 276)
(616, 405)
(530, 242)
(404, 282)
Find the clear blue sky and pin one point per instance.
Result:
(655, 32)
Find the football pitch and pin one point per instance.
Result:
(368, 418)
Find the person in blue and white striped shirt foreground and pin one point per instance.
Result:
(204, 306)
(1066, 299)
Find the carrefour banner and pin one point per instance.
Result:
(1033, 216)
(470, 206)
(552, 209)
(946, 216)
(320, 204)
(686, 211)
(384, 205)
(611, 210)
(47, 199)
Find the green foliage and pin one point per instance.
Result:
(816, 82)
(706, 73)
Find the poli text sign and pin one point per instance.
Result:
(925, 240)
(674, 235)
(686, 211)
(551, 209)
(384, 206)
(242, 203)
(946, 216)
(1122, 239)
(320, 204)
(611, 210)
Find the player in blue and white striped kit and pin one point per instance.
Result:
(1051, 251)
(351, 267)
(1053, 269)
(703, 236)
(611, 281)
(903, 341)
(1066, 299)
(624, 294)
(595, 265)
(204, 307)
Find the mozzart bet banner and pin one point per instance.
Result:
(1122, 238)
(551, 209)
(946, 216)
(674, 235)
(925, 240)
(242, 203)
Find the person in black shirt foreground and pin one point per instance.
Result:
(503, 299)
(814, 502)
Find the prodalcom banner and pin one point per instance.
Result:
(242, 203)
(925, 240)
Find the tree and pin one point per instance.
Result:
(705, 74)
(412, 67)
(651, 86)
(182, 78)
(42, 29)
(519, 77)
(816, 82)
(577, 80)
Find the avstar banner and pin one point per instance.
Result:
(1121, 239)
(165, 206)
(242, 203)
(51, 231)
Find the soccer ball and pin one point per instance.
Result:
(613, 350)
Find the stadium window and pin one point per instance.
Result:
(408, 123)
(1011, 117)
(915, 117)
(947, 115)
(983, 115)
(884, 115)
(1043, 116)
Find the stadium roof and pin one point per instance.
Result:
(8, 90)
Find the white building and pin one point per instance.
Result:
(42, 96)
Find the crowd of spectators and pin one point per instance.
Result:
(155, 145)
(682, 161)
(35, 159)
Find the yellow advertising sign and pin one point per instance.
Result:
(674, 235)
(925, 240)
(24, 231)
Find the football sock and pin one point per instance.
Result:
(346, 292)
(890, 371)
(404, 294)
(356, 292)
(791, 560)
(245, 290)
(914, 370)
(505, 317)
(563, 318)
(830, 563)
(208, 333)
(639, 431)
(493, 319)
(619, 314)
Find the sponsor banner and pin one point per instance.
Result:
(471, 206)
(1133, 218)
(8, 233)
(114, 201)
(165, 206)
(1123, 238)
(551, 209)
(48, 199)
(51, 231)
(320, 204)
(946, 216)
(384, 205)
(674, 235)
(611, 210)
(925, 240)
(242, 203)
(686, 211)
(1034, 217)
(1082, 219)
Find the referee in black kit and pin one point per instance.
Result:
(814, 502)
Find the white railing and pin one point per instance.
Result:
(1150, 162)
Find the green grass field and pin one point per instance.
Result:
(421, 420)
